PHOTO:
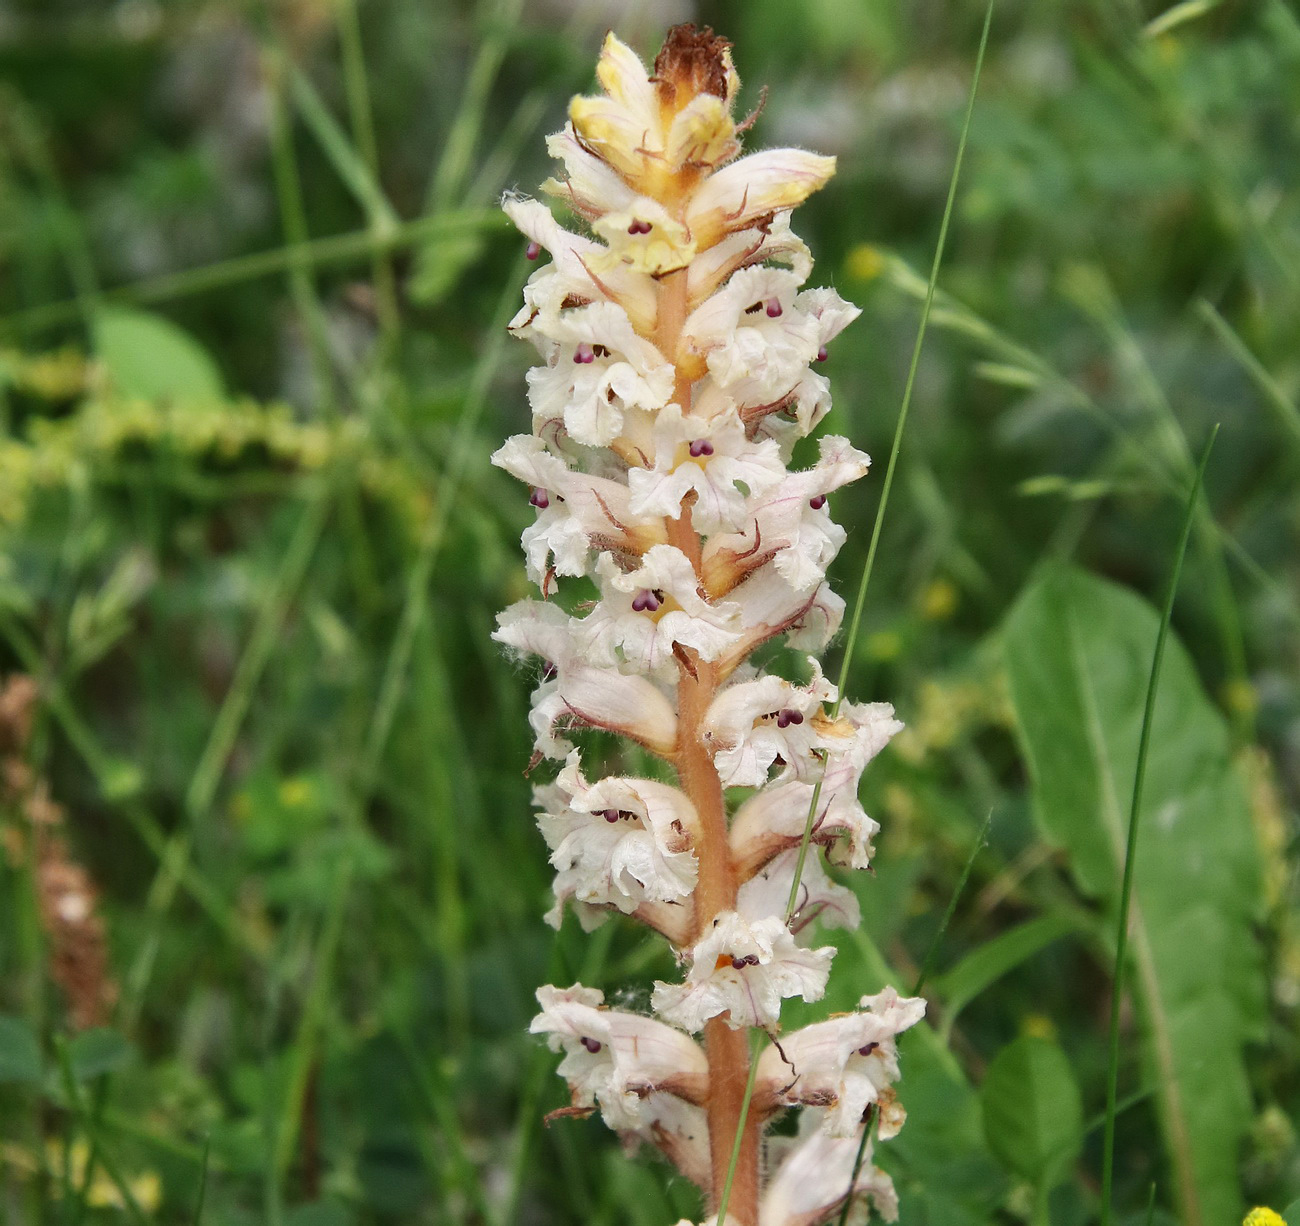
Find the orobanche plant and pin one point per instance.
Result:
(677, 375)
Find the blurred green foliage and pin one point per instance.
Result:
(252, 288)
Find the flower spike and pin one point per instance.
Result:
(677, 348)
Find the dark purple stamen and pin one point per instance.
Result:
(751, 959)
(584, 354)
(611, 815)
(822, 355)
(549, 671)
(818, 502)
(738, 964)
(788, 716)
(866, 1051)
(592, 1045)
(539, 498)
(532, 251)
(701, 446)
(639, 227)
(645, 601)
(773, 308)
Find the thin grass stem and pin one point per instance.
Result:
(851, 639)
(927, 964)
(1130, 854)
(88, 1125)
(314, 253)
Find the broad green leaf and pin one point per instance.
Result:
(1291, 1214)
(151, 357)
(20, 1051)
(1078, 654)
(983, 967)
(1033, 1113)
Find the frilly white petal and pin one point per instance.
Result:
(845, 1064)
(772, 967)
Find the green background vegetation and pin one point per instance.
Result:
(252, 290)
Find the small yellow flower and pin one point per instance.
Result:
(865, 263)
(938, 601)
(1038, 1026)
(1263, 1217)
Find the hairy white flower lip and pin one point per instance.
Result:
(600, 697)
(728, 470)
(645, 638)
(740, 971)
(845, 1064)
(750, 724)
(772, 820)
(620, 841)
(812, 1179)
(616, 1059)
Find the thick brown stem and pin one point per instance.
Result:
(728, 1050)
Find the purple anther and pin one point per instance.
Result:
(788, 716)
(773, 308)
(868, 1049)
(584, 354)
(639, 227)
(645, 601)
(592, 1045)
(549, 671)
(751, 959)
(738, 964)
(532, 251)
(700, 447)
(822, 354)
(539, 498)
(818, 502)
(611, 815)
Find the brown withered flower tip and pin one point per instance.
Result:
(694, 60)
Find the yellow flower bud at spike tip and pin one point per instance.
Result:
(1264, 1217)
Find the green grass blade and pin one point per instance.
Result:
(202, 1194)
(927, 963)
(1288, 414)
(1130, 856)
(86, 1120)
(348, 163)
(416, 600)
(851, 639)
(337, 249)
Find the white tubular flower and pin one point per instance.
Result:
(741, 971)
(574, 693)
(819, 898)
(773, 819)
(615, 1059)
(572, 275)
(596, 370)
(577, 512)
(753, 724)
(789, 526)
(709, 458)
(812, 1181)
(644, 614)
(845, 1065)
(619, 842)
